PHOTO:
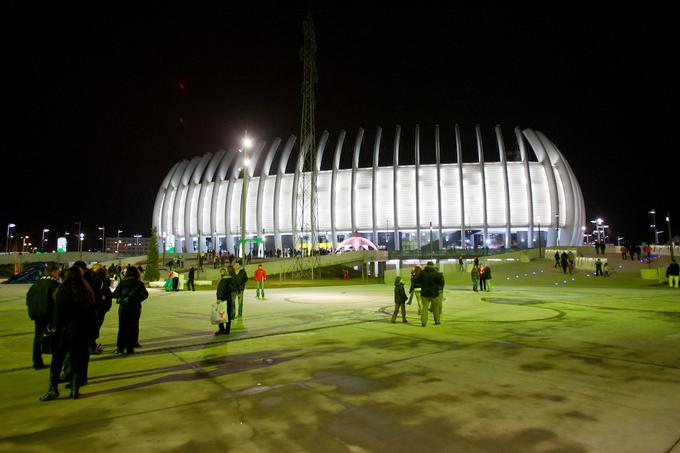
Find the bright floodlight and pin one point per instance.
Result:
(11, 225)
(46, 230)
(247, 142)
(246, 162)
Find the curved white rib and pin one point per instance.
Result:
(193, 185)
(203, 213)
(334, 177)
(169, 202)
(319, 156)
(480, 151)
(527, 183)
(461, 188)
(158, 204)
(355, 165)
(283, 162)
(264, 172)
(543, 158)
(395, 178)
(181, 188)
(437, 153)
(374, 178)
(219, 177)
(506, 186)
(417, 159)
(299, 165)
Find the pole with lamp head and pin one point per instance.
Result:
(670, 234)
(103, 230)
(164, 247)
(118, 246)
(42, 241)
(247, 143)
(9, 227)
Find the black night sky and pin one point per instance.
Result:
(102, 98)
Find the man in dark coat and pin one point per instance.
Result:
(130, 294)
(431, 283)
(239, 282)
(190, 279)
(673, 274)
(564, 261)
(40, 302)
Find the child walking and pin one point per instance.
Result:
(399, 300)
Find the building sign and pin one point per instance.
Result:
(170, 244)
(61, 245)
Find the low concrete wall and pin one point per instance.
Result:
(450, 267)
(276, 266)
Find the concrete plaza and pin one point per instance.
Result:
(542, 363)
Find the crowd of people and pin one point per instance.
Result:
(427, 286)
(230, 289)
(68, 307)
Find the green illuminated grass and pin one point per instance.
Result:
(590, 365)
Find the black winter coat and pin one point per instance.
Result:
(40, 298)
(130, 294)
(399, 293)
(224, 289)
(430, 281)
(239, 280)
(76, 319)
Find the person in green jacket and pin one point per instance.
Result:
(399, 300)
(474, 275)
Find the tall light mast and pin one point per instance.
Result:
(306, 221)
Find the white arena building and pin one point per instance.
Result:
(504, 203)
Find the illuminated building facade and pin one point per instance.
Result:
(501, 203)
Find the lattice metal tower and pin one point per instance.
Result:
(306, 218)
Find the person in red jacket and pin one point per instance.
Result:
(260, 276)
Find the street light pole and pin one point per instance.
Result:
(118, 245)
(103, 229)
(247, 143)
(80, 240)
(164, 238)
(42, 242)
(670, 234)
(9, 226)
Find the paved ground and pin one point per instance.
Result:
(536, 365)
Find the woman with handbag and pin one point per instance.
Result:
(75, 323)
(224, 294)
